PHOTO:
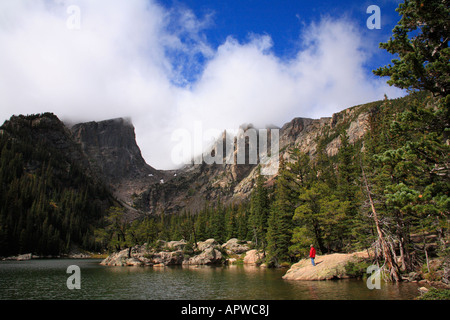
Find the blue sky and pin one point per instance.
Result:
(180, 65)
(283, 21)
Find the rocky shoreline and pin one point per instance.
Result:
(333, 267)
(208, 252)
(29, 256)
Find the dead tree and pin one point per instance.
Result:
(387, 255)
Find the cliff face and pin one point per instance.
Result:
(111, 148)
(195, 184)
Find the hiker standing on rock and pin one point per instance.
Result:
(312, 255)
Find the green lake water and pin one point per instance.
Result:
(42, 279)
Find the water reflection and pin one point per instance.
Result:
(46, 279)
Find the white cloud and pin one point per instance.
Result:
(134, 58)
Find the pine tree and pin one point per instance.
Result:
(230, 222)
(259, 211)
(320, 218)
(218, 222)
(201, 225)
(348, 189)
(279, 231)
(420, 39)
(242, 221)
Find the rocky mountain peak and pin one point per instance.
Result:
(112, 149)
(46, 129)
(112, 144)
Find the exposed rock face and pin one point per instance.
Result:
(112, 150)
(20, 257)
(176, 245)
(194, 184)
(209, 256)
(235, 246)
(116, 259)
(112, 144)
(108, 149)
(253, 257)
(168, 258)
(210, 243)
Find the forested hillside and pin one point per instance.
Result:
(49, 199)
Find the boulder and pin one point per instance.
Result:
(116, 259)
(23, 257)
(210, 243)
(176, 245)
(140, 255)
(253, 257)
(208, 257)
(236, 246)
(133, 262)
(423, 290)
(167, 258)
(327, 267)
(159, 265)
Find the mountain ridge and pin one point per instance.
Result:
(196, 184)
(108, 149)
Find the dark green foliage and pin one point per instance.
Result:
(420, 39)
(213, 221)
(279, 231)
(259, 213)
(409, 171)
(435, 294)
(48, 204)
(357, 269)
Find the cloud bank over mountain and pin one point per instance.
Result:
(155, 65)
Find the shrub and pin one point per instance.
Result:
(357, 269)
(435, 294)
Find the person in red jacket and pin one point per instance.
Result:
(312, 255)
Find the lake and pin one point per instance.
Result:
(42, 279)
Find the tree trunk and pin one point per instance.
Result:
(318, 235)
(425, 250)
(402, 255)
(195, 237)
(404, 239)
(392, 266)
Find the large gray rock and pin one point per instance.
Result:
(168, 258)
(253, 257)
(327, 267)
(176, 245)
(133, 262)
(210, 243)
(116, 259)
(22, 257)
(209, 253)
(236, 246)
(208, 257)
